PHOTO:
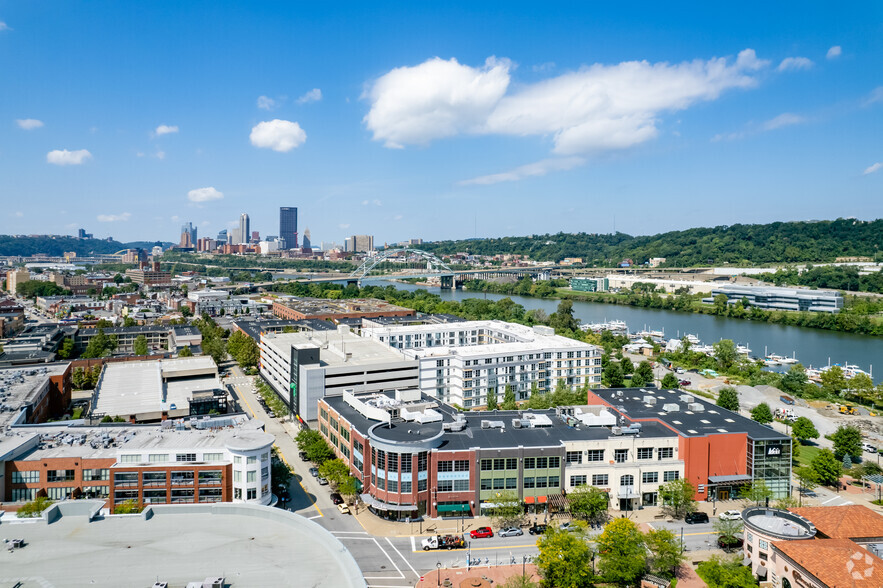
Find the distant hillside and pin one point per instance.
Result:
(780, 242)
(56, 246)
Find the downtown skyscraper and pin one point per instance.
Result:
(288, 226)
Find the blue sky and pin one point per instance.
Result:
(437, 120)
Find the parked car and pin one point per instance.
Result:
(731, 515)
(336, 498)
(684, 383)
(696, 517)
(869, 448)
(537, 529)
(729, 543)
(510, 532)
(314, 472)
(481, 533)
(568, 526)
(680, 370)
(344, 509)
(322, 481)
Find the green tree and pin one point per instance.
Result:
(729, 530)
(643, 375)
(215, 349)
(509, 402)
(314, 445)
(508, 510)
(66, 349)
(833, 380)
(725, 353)
(185, 352)
(280, 473)
(335, 471)
(665, 553)
(612, 376)
(93, 375)
(670, 381)
(807, 479)
(758, 492)
(804, 429)
(720, 304)
(129, 322)
(861, 385)
(728, 398)
(78, 379)
(562, 319)
(720, 572)
(762, 413)
(564, 560)
(847, 463)
(795, 380)
(677, 497)
(140, 345)
(626, 366)
(826, 467)
(588, 503)
(622, 550)
(98, 345)
(847, 441)
(492, 399)
(243, 349)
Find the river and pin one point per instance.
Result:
(812, 347)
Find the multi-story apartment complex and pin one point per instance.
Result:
(210, 460)
(299, 308)
(359, 243)
(16, 277)
(304, 367)
(416, 456)
(461, 362)
(150, 275)
(159, 337)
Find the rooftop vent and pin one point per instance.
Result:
(696, 406)
(686, 398)
(671, 407)
(651, 400)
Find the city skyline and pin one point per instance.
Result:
(426, 122)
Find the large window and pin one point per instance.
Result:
(666, 452)
(595, 455)
(96, 475)
(578, 480)
(406, 463)
(462, 465)
(121, 479)
(446, 466)
(154, 478)
(182, 478)
(645, 453)
(156, 496)
(627, 480)
(23, 494)
(650, 477)
(158, 457)
(574, 457)
(59, 475)
(621, 455)
(182, 495)
(599, 479)
(211, 477)
(445, 485)
(670, 475)
(31, 477)
(187, 457)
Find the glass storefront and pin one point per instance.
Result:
(770, 460)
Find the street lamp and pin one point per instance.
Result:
(438, 574)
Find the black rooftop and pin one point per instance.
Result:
(710, 420)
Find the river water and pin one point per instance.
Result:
(812, 347)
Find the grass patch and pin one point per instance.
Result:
(807, 453)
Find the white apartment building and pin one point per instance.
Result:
(461, 362)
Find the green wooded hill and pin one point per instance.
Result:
(57, 245)
(779, 242)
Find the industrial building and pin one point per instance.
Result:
(304, 367)
(145, 391)
(297, 308)
(34, 394)
(461, 362)
(589, 284)
(773, 298)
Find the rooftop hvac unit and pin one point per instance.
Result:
(637, 426)
(516, 423)
(686, 398)
(651, 400)
(630, 431)
(696, 406)
(671, 407)
(616, 430)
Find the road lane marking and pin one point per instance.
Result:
(383, 551)
(830, 499)
(402, 556)
(413, 544)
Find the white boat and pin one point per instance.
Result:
(692, 339)
(743, 350)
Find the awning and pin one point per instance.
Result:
(732, 479)
(453, 508)
(542, 499)
(529, 500)
(746, 561)
(379, 505)
(761, 572)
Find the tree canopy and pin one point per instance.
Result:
(728, 398)
(622, 550)
(847, 441)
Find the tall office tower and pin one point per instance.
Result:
(255, 236)
(235, 236)
(188, 235)
(81, 234)
(243, 228)
(360, 243)
(288, 226)
(307, 244)
(222, 236)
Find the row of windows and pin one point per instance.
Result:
(511, 463)
(162, 496)
(458, 465)
(626, 480)
(453, 485)
(542, 482)
(619, 455)
(406, 486)
(164, 457)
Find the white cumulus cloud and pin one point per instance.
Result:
(204, 195)
(344, 225)
(876, 167)
(539, 168)
(166, 130)
(597, 108)
(795, 63)
(436, 99)
(313, 95)
(834, 52)
(266, 103)
(29, 124)
(65, 157)
(785, 119)
(278, 135)
(4, 26)
(112, 218)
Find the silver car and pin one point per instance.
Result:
(510, 532)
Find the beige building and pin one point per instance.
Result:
(16, 277)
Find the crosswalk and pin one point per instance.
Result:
(383, 564)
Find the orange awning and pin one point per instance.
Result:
(542, 499)
(528, 500)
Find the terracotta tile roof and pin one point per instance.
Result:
(843, 522)
(837, 563)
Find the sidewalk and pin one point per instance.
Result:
(477, 577)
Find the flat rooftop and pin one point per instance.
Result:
(109, 440)
(337, 348)
(254, 327)
(348, 306)
(247, 545)
(709, 419)
(137, 387)
(555, 433)
(20, 387)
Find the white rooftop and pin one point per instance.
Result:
(337, 348)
